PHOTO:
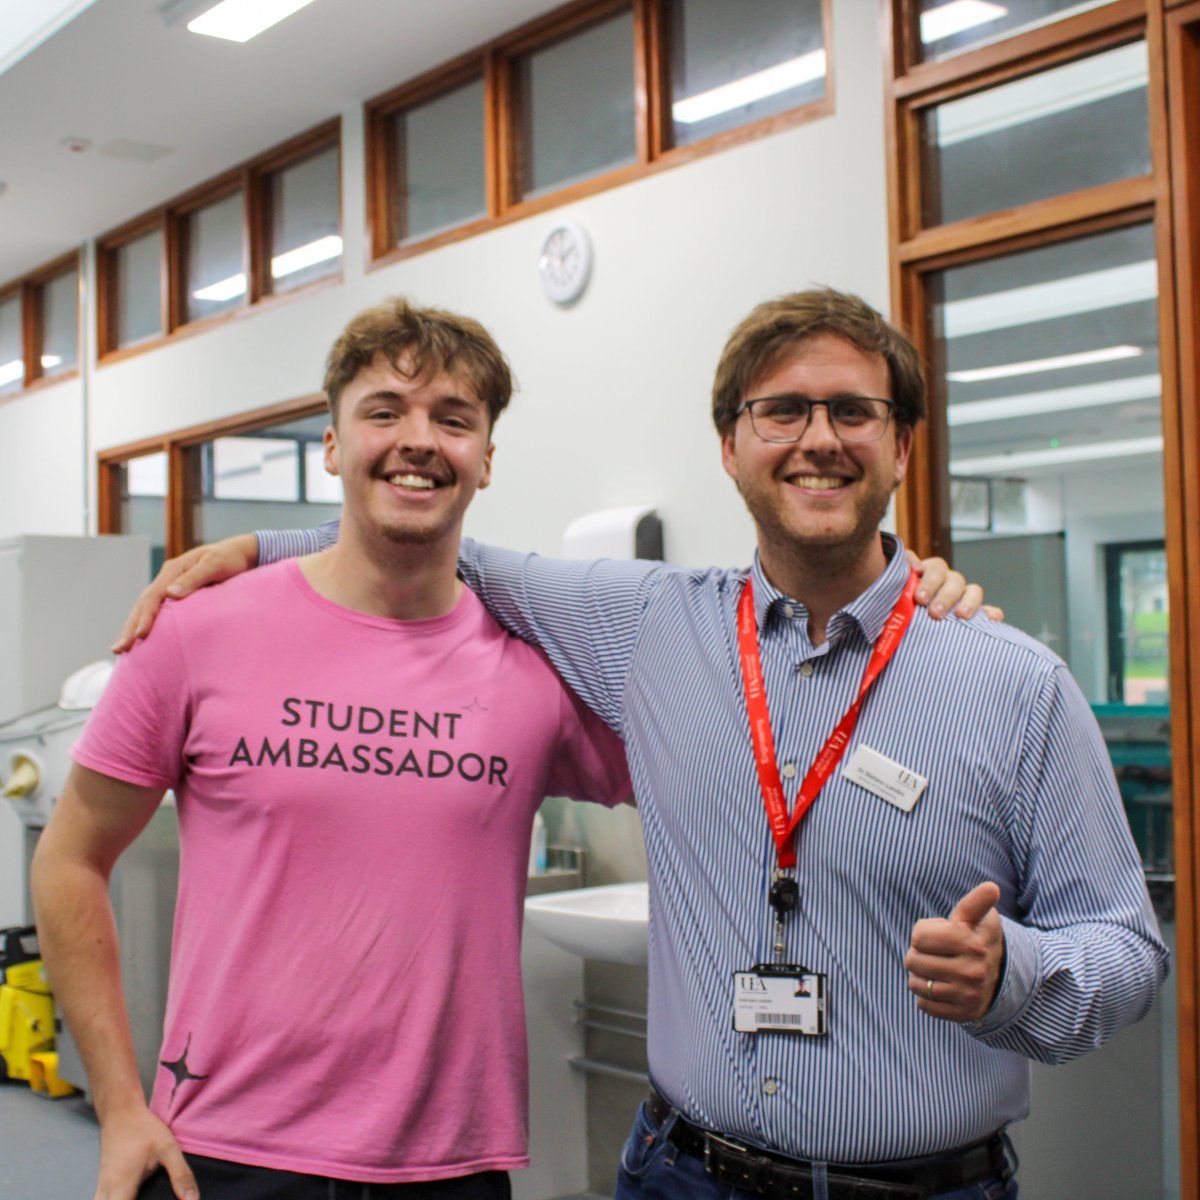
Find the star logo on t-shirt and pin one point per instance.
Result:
(474, 706)
(179, 1068)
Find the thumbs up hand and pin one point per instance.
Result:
(954, 964)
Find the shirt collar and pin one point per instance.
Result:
(869, 610)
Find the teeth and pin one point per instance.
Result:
(412, 481)
(820, 483)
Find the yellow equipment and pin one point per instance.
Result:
(27, 1014)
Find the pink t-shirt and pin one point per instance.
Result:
(355, 803)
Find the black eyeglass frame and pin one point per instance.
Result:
(748, 406)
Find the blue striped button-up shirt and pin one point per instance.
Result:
(1020, 792)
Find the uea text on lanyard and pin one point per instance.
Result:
(782, 828)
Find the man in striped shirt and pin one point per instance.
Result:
(843, 1006)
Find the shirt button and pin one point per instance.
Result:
(806, 669)
(788, 770)
(770, 1086)
(788, 611)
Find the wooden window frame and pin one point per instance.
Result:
(1169, 199)
(494, 62)
(253, 179)
(183, 486)
(29, 289)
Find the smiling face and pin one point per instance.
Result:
(819, 492)
(411, 453)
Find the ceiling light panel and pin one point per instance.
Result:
(1005, 464)
(957, 17)
(240, 20)
(1035, 366)
(1033, 404)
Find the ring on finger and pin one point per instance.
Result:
(929, 989)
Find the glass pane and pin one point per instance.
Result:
(1048, 364)
(950, 26)
(970, 504)
(731, 64)
(1072, 127)
(138, 269)
(143, 489)
(12, 356)
(60, 323)
(255, 468)
(255, 480)
(306, 241)
(439, 163)
(1138, 612)
(319, 486)
(576, 100)
(216, 273)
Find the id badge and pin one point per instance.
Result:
(783, 998)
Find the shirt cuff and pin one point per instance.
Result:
(1022, 973)
(274, 545)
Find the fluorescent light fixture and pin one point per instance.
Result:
(240, 20)
(1033, 366)
(770, 82)
(223, 289)
(51, 360)
(961, 15)
(1091, 292)
(291, 261)
(1003, 464)
(10, 372)
(1033, 404)
(1064, 88)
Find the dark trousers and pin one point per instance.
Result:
(221, 1180)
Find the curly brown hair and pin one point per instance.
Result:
(420, 342)
(777, 327)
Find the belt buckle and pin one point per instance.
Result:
(753, 1170)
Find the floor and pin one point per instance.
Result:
(48, 1148)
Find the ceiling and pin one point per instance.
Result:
(120, 78)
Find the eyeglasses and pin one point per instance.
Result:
(785, 418)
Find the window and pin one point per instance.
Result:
(261, 470)
(135, 301)
(58, 300)
(734, 64)
(39, 326)
(1083, 124)
(576, 101)
(12, 352)
(948, 27)
(304, 214)
(1032, 261)
(270, 227)
(438, 156)
(214, 275)
(589, 96)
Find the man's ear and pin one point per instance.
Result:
(486, 477)
(904, 444)
(331, 450)
(728, 457)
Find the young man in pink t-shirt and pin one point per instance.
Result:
(357, 751)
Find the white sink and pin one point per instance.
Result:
(605, 923)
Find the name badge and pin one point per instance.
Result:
(886, 779)
(779, 998)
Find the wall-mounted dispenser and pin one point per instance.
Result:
(634, 531)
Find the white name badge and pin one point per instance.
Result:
(886, 779)
(781, 999)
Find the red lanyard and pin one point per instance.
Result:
(782, 828)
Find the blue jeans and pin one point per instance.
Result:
(653, 1169)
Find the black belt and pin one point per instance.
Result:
(749, 1169)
